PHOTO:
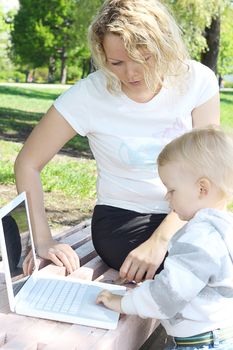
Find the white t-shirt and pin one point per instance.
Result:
(126, 136)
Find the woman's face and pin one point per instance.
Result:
(129, 72)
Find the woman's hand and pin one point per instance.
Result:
(142, 262)
(111, 301)
(60, 254)
(28, 264)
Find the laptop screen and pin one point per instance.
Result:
(17, 243)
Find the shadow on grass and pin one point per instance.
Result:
(16, 125)
(29, 93)
(227, 97)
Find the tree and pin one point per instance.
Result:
(85, 11)
(212, 34)
(209, 56)
(53, 32)
(225, 58)
(193, 16)
(30, 47)
(3, 37)
(6, 66)
(200, 22)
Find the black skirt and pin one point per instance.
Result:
(116, 232)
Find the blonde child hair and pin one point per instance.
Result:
(206, 152)
(143, 25)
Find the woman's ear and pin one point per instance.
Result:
(203, 187)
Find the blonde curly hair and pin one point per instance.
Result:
(142, 25)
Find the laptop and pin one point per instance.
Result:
(49, 297)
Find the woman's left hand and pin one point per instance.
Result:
(142, 262)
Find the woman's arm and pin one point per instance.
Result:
(208, 113)
(46, 139)
(143, 261)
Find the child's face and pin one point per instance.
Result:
(183, 191)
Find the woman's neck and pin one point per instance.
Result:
(140, 95)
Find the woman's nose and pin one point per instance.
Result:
(132, 71)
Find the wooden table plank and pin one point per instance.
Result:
(32, 332)
(77, 337)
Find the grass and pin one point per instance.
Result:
(68, 181)
(19, 215)
(71, 176)
(22, 108)
(227, 108)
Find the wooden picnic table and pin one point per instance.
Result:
(28, 333)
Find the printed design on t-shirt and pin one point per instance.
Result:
(139, 152)
(177, 128)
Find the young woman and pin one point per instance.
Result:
(144, 93)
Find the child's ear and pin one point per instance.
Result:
(203, 187)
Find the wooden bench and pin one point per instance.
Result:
(28, 333)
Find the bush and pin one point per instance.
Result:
(12, 76)
(228, 84)
(41, 75)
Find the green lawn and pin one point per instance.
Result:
(20, 110)
(68, 180)
(74, 177)
(22, 107)
(227, 108)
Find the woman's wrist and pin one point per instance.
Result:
(166, 230)
(160, 239)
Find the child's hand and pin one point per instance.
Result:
(111, 301)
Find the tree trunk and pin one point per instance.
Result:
(63, 66)
(26, 75)
(212, 35)
(52, 69)
(87, 67)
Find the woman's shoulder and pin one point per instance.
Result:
(94, 78)
(199, 70)
(91, 85)
(201, 82)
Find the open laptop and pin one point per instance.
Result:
(53, 297)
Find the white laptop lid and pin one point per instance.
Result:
(16, 240)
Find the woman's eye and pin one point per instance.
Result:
(115, 63)
(147, 57)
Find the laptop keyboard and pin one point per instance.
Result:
(57, 296)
